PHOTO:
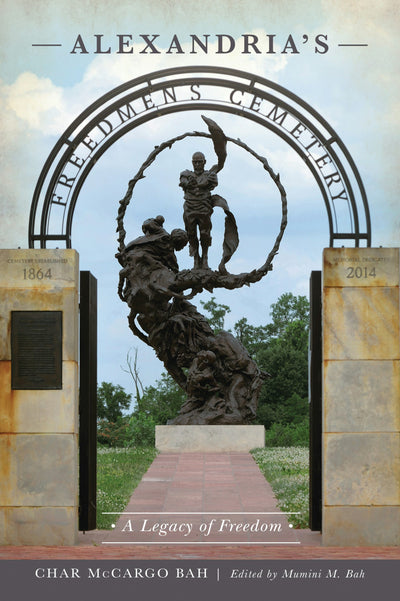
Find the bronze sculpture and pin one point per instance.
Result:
(197, 209)
(221, 380)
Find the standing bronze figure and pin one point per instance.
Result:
(200, 203)
(197, 209)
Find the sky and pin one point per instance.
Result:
(42, 90)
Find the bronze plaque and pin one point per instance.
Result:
(36, 350)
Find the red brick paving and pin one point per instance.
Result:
(204, 483)
(88, 551)
(201, 482)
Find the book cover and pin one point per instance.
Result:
(89, 90)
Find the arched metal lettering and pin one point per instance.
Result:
(199, 88)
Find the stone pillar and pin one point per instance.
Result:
(39, 428)
(361, 397)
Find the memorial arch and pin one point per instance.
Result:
(357, 340)
(170, 91)
(205, 88)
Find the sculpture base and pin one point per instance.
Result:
(209, 439)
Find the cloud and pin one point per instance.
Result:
(36, 112)
(37, 102)
(45, 107)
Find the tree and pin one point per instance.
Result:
(217, 312)
(253, 338)
(288, 367)
(132, 369)
(112, 400)
(281, 349)
(287, 310)
(284, 355)
(158, 405)
(163, 401)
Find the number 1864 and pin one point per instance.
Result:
(37, 274)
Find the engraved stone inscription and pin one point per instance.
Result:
(361, 267)
(38, 268)
(36, 350)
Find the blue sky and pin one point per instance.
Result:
(42, 90)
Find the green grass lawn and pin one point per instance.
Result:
(286, 469)
(119, 471)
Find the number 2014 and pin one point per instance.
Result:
(360, 272)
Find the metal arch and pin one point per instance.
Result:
(114, 137)
(221, 83)
(151, 84)
(170, 109)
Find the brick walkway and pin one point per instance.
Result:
(189, 492)
(226, 489)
